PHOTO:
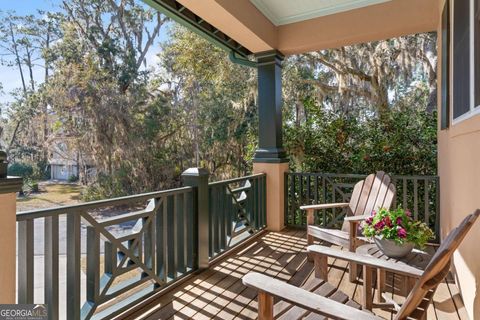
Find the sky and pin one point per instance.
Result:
(9, 77)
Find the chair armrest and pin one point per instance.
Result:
(356, 218)
(324, 206)
(303, 298)
(399, 268)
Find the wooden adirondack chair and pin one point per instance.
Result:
(311, 300)
(373, 193)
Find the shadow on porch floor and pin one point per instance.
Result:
(218, 293)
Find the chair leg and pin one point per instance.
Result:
(310, 221)
(367, 300)
(352, 272)
(309, 243)
(265, 306)
(321, 267)
(380, 285)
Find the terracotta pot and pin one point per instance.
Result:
(393, 250)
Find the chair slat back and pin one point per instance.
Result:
(373, 193)
(438, 267)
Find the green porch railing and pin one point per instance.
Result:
(420, 194)
(97, 259)
(115, 252)
(238, 210)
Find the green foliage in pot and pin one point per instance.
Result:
(397, 225)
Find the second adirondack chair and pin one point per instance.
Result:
(373, 193)
(311, 302)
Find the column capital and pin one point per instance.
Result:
(11, 185)
(270, 57)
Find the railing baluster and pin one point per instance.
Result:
(230, 212)
(161, 243)
(216, 222)
(427, 204)
(211, 217)
(179, 243)
(300, 199)
(415, 198)
(293, 204)
(184, 234)
(51, 266)
(25, 261)
(171, 252)
(405, 203)
(93, 264)
(264, 202)
(324, 200)
(223, 220)
(110, 258)
(437, 209)
(73, 266)
(395, 181)
(148, 242)
(256, 207)
(308, 197)
(190, 229)
(334, 200)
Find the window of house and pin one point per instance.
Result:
(445, 108)
(461, 58)
(466, 59)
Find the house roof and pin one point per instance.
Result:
(254, 26)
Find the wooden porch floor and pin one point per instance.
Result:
(218, 293)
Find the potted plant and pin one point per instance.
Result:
(395, 232)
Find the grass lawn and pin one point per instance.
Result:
(50, 195)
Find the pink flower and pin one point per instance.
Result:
(379, 225)
(374, 212)
(402, 233)
(369, 220)
(399, 221)
(388, 222)
(408, 213)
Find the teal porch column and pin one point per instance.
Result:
(270, 143)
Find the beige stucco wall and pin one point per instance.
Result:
(275, 193)
(459, 170)
(7, 247)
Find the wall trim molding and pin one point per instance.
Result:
(11, 185)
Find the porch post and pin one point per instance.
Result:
(198, 178)
(270, 157)
(9, 186)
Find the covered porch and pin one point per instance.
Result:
(190, 247)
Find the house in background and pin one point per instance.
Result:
(67, 163)
(63, 162)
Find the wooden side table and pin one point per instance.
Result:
(417, 258)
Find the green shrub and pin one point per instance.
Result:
(20, 169)
(107, 187)
(73, 178)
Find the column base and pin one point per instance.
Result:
(275, 172)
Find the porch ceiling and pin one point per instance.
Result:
(281, 12)
(309, 25)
